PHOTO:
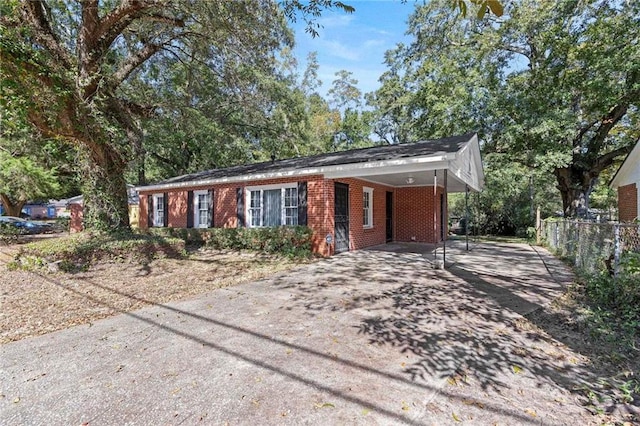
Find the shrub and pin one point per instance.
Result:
(62, 223)
(80, 250)
(9, 234)
(619, 294)
(293, 241)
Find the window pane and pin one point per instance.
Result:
(203, 210)
(159, 219)
(291, 206)
(255, 209)
(272, 209)
(291, 197)
(366, 208)
(291, 216)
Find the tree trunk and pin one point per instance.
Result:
(11, 208)
(106, 207)
(575, 186)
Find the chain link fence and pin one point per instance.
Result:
(591, 246)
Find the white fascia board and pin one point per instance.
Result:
(374, 169)
(408, 165)
(629, 171)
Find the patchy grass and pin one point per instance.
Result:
(79, 251)
(612, 344)
(491, 238)
(38, 302)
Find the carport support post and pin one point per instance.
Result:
(444, 222)
(435, 211)
(466, 213)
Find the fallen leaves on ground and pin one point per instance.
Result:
(40, 303)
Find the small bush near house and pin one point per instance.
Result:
(79, 251)
(292, 241)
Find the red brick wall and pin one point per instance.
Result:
(413, 210)
(628, 202)
(75, 223)
(225, 206)
(414, 214)
(359, 236)
(178, 209)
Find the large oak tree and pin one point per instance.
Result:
(552, 85)
(79, 72)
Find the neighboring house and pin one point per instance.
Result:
(627, 182)
(76, 205)
(350, 199)
(34, 210)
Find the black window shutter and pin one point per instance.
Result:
(149, 211)
(302, 203)
(189, 209)
(165, 200)
(211, 222)
(240, 209)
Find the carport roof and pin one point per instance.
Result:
(327, 164)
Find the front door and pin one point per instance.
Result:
(341, 217)
(389, 220)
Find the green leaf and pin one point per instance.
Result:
(324, 405)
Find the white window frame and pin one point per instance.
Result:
(367, 211)
(283, 208)
(196, 208)
(158, 205)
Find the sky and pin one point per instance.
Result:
(354, 42)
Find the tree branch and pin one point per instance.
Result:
(134, 61)
(607, 122)
(607, 159)
(117, 21)
(35, 13)
(138, 58)
(583, 130)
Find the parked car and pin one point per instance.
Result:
(28, 226)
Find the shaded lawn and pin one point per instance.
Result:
(33, 304)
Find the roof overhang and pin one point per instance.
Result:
(629, 171)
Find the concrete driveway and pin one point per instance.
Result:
(369, 337)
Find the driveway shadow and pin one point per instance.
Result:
(362, 338)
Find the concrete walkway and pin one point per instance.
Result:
(370, 337)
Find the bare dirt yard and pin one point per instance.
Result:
(35, 303)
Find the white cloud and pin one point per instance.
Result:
(334, 20)
(338, 49)
(373, 43)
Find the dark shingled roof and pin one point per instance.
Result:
(363, 155)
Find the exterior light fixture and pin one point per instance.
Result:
(410, 180)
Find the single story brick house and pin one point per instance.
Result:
(627, 182)
(351, 199)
